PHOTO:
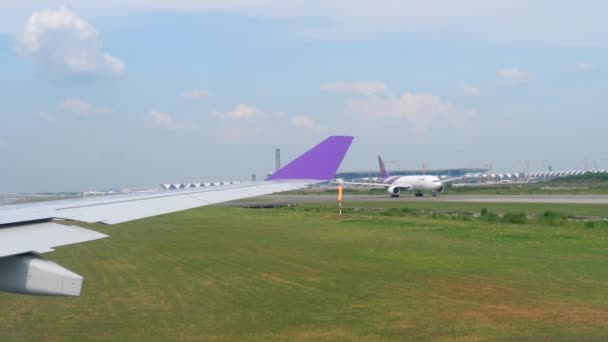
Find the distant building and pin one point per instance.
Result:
(177, 186)
(277, 159)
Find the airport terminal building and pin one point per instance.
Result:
(450, 173)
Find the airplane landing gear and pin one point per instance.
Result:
(434, 194)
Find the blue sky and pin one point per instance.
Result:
(136, 93)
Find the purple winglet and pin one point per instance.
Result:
(319, 163)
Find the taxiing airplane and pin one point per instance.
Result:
(396, 184)
(28, 230)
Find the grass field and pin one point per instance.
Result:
(567, 210)
(221, 273)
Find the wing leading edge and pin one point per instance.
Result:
(30, 229)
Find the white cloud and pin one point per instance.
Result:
(584, 67)
(420, 110)
(65, 45)
(46, 116)
(471, 90)
(195, 94)
(303, 121)
(81, 107)
(368, 88)
(165, 120)
(514, 76)
(240, 112)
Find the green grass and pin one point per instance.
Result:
(600, 210)
(586, 179)
(530, 189)
(221, 273)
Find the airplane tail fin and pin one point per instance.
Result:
(319, 163)
(383, 172)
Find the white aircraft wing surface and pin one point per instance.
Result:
(115, 209)
(31, 228)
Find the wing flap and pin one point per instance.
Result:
(42, 237)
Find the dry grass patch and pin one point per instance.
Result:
(492, 304)
(276, 278)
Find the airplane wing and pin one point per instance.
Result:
(27, 229)
(372, 185)
(450, 180)
(402, 186)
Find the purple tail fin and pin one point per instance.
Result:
(383, 172)
(319, 163)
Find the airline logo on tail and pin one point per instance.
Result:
(383, 172)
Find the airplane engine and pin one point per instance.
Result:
(441, 188)
(34, 275)
(394, 191)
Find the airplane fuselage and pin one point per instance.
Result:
(416, 183)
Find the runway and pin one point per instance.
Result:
(318, 198)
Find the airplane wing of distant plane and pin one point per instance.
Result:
(27, 230)
(450, 180)
(374, 185)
